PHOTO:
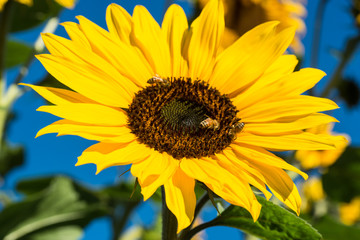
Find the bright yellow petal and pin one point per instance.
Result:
(241, 169)
(106, 155)
(148, 37)
(280, 128)
(67, 3)
(286, 107)
(281, 186)
(59, 96)
(206, 34)
(89, 82)
(154, 172)
(300, 141)
(240, 65)
(174, 26)
(124, 58)
(180, 198)
(283, 66)
(88, 113)
(117, 134)
(119, 22)
(222, 182)
(262, 156)
(75, 34)
(65, 48)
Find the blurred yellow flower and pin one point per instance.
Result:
(313, 190)
(322, 158)
(243, 15)
(350, 212)
(65, 3)
(26, 2)
(164, 100)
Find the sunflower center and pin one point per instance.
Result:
(184, 118)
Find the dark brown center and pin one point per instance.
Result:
(184, 118)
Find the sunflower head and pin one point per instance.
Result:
(167, 100)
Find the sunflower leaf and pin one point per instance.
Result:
(55, 210)
(16, 53)
(27, 17)
(274, 223)
(10, 157)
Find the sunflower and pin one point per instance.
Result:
(64, 3)
(350, 212)
(164, 100)
(243, 15)
(319, 158)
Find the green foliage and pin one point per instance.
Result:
(10, 157)
(342, 181)
(274, 223)
(26, 17)
(58, 209)
(333, 230)
(16, 53)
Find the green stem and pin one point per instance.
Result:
(314, 60)
(201, 203)
(118, 223)
(351, 45)
(169, 227)
(198, 228)
(317, 33)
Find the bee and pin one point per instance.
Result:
(158, 80)
(210, 123)
(236, 128)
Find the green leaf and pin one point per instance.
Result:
(10, 157)
(25, 17)
(274, 223)
(342, 180)
(16, 53)
(59, 205)
(59, 233)
(333, 230)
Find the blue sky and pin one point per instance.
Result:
(48, 155)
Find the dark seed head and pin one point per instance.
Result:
(169, 118)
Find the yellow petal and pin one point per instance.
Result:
(222, 182)
(300, 141)
(154, 172)
(59, 96)
(180, 198)
(89, 82)
(286, 107)
(106, 155)
(280, 128)
(148, 37)
(119, 22)
(262, 156)
(124, 58)
(75, 34)
(88, 113)
(289, 85)
(206, 35)
(99, 133)
(247, 59)
(283, 66)
(174, 26)
(67, 3)
(281, 186)
(241, 169)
